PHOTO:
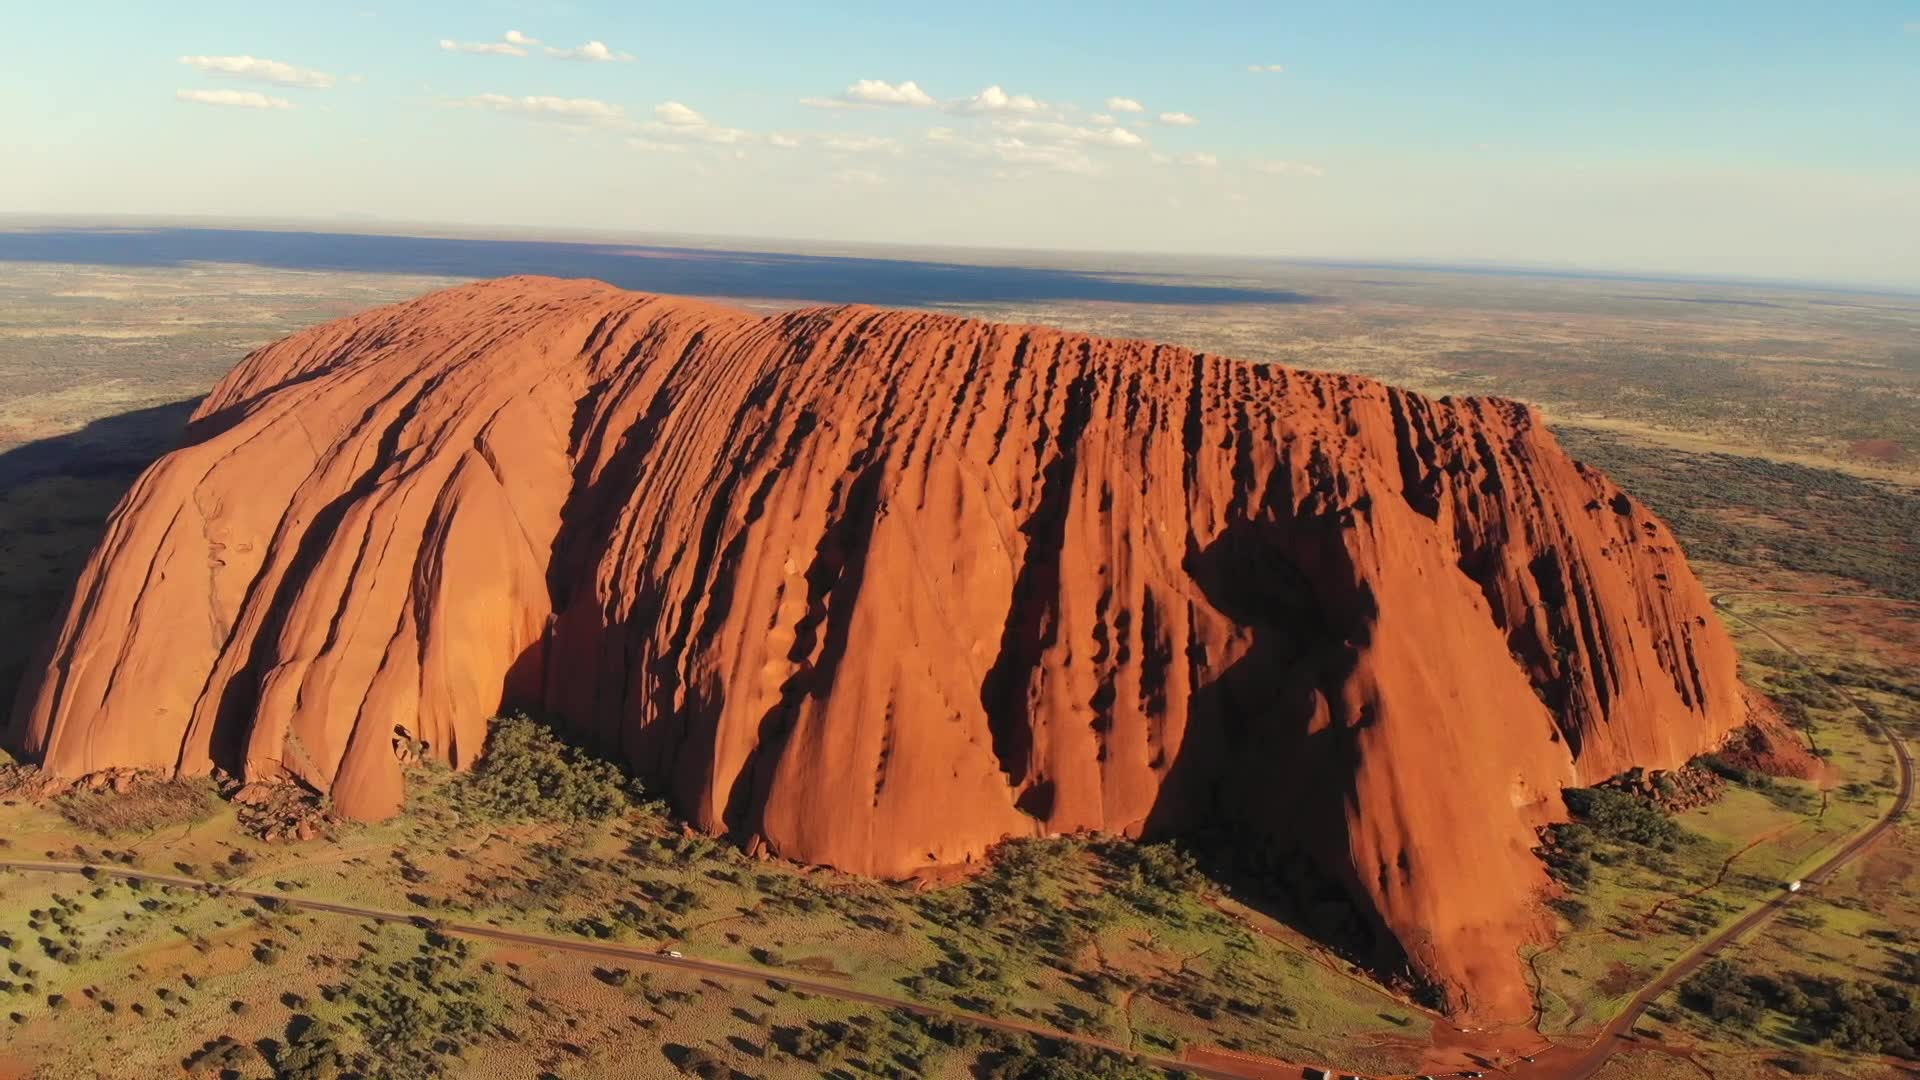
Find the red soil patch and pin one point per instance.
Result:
(1885, 869)
(1769, 745)
(1879, 449)
(1619, 979)
(1247, 1065)
(819, 965)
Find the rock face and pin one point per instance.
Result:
(877, 589)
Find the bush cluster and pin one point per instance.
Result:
(415, 1017)
(528, 774)
(1857, 1014)
(1609, 825)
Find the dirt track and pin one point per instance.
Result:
(1551, 1064)
(1221, 1069)
(1619, 1033)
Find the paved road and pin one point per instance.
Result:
(632, 954)
(1618, 1033)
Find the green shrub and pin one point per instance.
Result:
(1720, 992)
(1618, 816)
(1044, 1059)
(1870, 1017)
(311, 1053)
(528, 774)
(1609, 827)
(1576, 911)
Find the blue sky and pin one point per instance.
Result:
(1762, 139)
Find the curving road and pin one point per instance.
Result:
(1620, 1030)
(634, 954)
(1551, 1063)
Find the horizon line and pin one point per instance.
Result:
(375, 225)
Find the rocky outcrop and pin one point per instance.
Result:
(878, 589)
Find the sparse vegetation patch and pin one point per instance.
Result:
(142, 808)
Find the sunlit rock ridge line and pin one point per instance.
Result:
(877, 589)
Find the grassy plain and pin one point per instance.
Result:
(1643, 909)
(1862, 926)
(1123, 943)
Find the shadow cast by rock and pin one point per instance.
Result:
(55, 496)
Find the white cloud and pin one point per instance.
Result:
(653, 147)
(1027, 144)
(1266, 69)
(725, 136)
(515, 43)
(858, 177)
(595, 52)
(1125, 104)
(239, 99)
(588, 110)
(836, 142)
(672, 119)
(1178, 119)
(511, 43)
(255, 69)
(482, 48)
(876, 92)
(856, 144)
(1289, 168)
(1026, 153)
(1014, 150)
(678, 115)
(995, 100)
(1053, 131)
(1199, 160)
(1101, 118)
(1058, 158)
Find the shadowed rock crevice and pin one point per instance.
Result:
(770, 562)
(1032, 623)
